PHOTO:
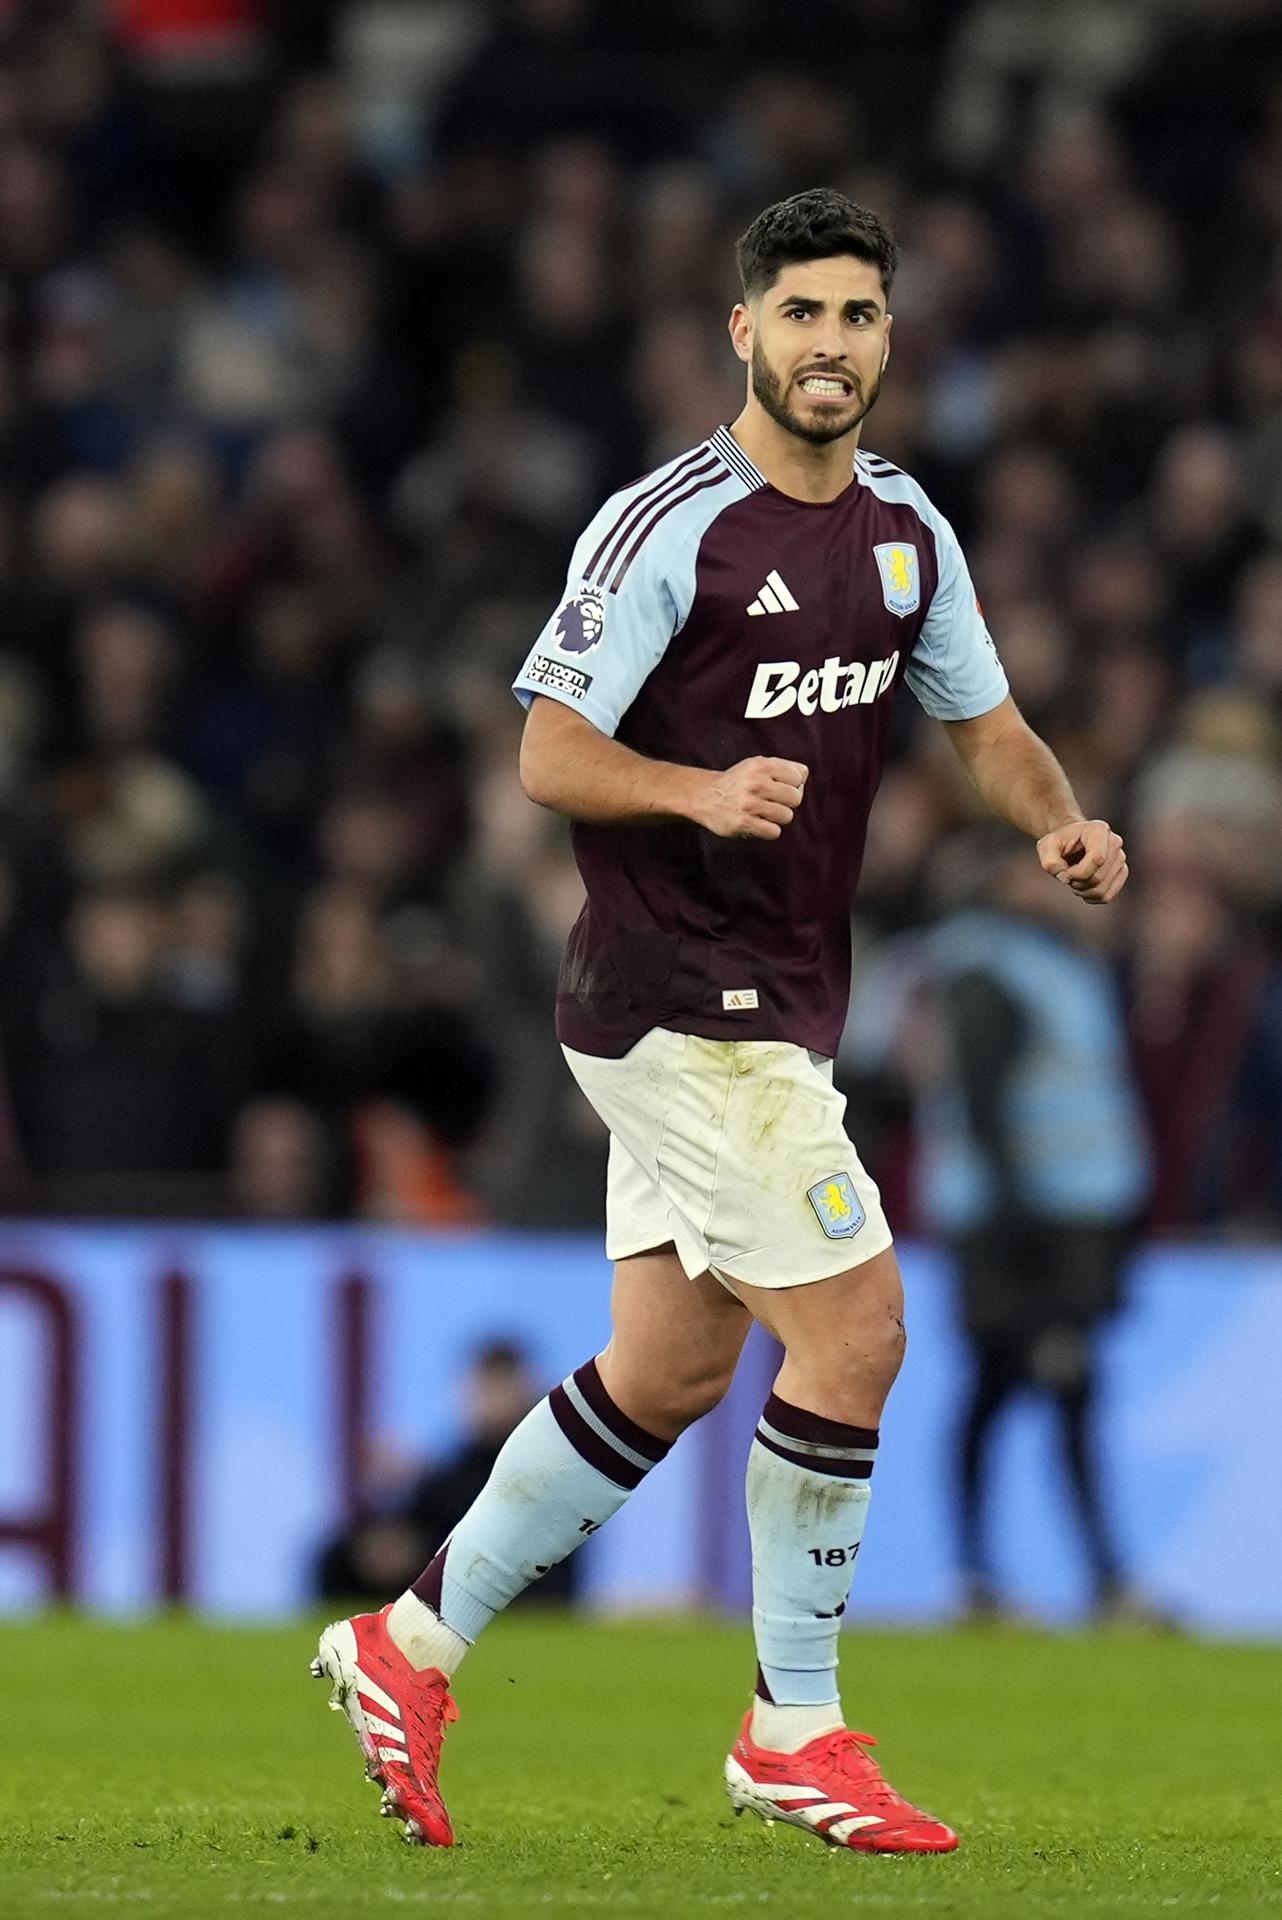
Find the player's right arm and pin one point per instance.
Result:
(568, 764)
(615, 622)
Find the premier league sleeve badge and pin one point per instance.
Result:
(580, 623)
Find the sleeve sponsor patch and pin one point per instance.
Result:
(570, 682)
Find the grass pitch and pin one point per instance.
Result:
(178, 1770)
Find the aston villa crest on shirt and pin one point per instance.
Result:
(580, 623)
(900, 576)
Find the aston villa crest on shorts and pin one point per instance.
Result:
(580, 623)
(837, 1205)
(900, 576)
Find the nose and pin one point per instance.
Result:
(831, 347)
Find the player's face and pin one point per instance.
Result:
(817, 342)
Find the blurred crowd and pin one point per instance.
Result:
(326, 328)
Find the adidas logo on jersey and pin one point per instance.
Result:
(779, 685)
(774, 598)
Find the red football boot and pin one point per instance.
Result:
(399, 1717)
(832, 1787)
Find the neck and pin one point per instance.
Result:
(801, 468)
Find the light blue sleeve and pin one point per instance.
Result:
(954, 670)
(598, 648)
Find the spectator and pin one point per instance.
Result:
(286, 1165)
(116, 1078)
(1196, 979)
(403, 1079)
(1035, 1172)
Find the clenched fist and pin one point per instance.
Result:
(753, 800)
(1087, 856)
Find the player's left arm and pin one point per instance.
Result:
(955, 673)
(1022, 782)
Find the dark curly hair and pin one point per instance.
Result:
(813, 225)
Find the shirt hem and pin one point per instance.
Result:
(611, 1040)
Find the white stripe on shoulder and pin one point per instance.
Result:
(736, 459)
(875, 462)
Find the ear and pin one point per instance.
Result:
(741, 331)
(885, 352)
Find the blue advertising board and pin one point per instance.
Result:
(214, 1408)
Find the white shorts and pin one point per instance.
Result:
(735, 1151)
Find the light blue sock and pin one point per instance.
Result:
(561, 1474)
(808, 1497)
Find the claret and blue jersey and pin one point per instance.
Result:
(707, 618)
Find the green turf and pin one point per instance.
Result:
(178, 1770)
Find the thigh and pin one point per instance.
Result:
(675, 1341)
(829, 1313)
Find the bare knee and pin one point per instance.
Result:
(686, 1397)
(665, 1405)
(848, 1375)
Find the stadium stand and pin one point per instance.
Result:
(324, 331)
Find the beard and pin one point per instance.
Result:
(765, 385)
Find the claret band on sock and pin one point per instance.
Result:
(809, 1440)
(604, 1436)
